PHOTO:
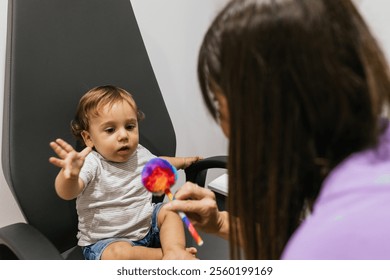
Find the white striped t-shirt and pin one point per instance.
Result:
(114, 203)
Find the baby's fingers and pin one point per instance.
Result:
(57, 162)
(85, 152)
(190, 160)
(61, 148)
(64, 145)
(58, 150)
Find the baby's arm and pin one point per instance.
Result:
(181, 162)
(68, 188)
(68, 184)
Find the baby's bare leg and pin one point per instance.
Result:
(122, 250)
(172, 236)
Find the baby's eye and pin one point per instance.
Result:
(130, 126)
(109, 130)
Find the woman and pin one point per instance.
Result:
(299, 88)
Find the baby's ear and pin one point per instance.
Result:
(87, 138)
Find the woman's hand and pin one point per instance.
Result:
(201, 208)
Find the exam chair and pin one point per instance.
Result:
(197, 173)
(56, 51)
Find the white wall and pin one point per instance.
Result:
(376, 13)
(9, 211)
(172, 31)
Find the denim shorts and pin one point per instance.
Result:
(152, 239)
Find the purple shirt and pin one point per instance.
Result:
(351, 217)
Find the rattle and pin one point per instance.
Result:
(158, 175)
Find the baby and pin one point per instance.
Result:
(117, 219)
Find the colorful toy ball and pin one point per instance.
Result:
(158, 175)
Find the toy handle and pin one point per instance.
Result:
(186, 221)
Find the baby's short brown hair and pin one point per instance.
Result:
(95, 99)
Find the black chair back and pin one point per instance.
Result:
(57, 50)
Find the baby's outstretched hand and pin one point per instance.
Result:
(69, 159)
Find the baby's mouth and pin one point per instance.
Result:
(124, 148)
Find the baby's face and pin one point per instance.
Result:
(114, 132)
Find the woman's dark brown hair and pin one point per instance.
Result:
(306, 84)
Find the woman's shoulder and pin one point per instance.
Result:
(349, 220)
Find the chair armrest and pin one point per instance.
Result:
(26, 243)
(197, 171)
